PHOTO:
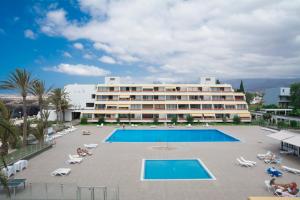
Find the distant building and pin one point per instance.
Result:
(284, 97)
(205, 101)
(278, 96)
(256, 100)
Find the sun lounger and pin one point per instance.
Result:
(9, 171)
(263, 156)
(292, 170)
(86, 132)
(189, 126)
(20, 165)
(244, 164)
(248, 161)
(273, 161)
(61, 172)
(90, 146)
(153, 126)
(74, 160)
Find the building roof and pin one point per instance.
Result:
(281, 135)
(293, 141)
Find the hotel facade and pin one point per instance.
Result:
(114, 101)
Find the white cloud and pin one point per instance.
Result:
(30, 34)
(67, 54)
(188, 39)
(78, 45)
(107, 59)
(78, 69)
(87, 56)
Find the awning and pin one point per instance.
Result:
(197, 115)
(209, 115)
(293, 141)
(281, 135)
(124, 96)
(124, 106)
(244, 115)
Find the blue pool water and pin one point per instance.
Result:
(175, 169)
(195, 135)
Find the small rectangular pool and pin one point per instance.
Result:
(175, 135)
(187, 169)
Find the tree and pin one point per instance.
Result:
(83, 120)
(64, 106)
(174, 119)
(7, 130)
(295, 95)
(236, 119)
(101, 120)
(21, 81)
(57, 97)
(218, 81)
(189, 119)
(249, 97)
(241, 87)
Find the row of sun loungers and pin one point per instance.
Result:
(14, 168)
(62, 133)
(72, 159)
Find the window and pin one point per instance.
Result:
(89, 105)
(93, 96)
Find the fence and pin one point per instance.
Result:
(25, 152)
(55, 191)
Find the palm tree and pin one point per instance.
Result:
(65, 106)
(56, 98)
(7, 131)
(21, 81)
(39, 90)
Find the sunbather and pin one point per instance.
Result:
(291, 188)
(86, 152)
(80, 152)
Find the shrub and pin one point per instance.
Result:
(174, 120)
(293, 124)
(118, 120)
(224, 119)
(236, 119)
(189, 119)
(282, 125)
(83, 120)
(101, 120)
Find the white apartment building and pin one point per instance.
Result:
(116, 101)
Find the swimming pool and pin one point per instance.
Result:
(187, 169)
(176, 135)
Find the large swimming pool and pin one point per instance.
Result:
(187, 169)
(176, 135)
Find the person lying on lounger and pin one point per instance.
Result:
(85, 151)
(291, 188)
(80, 152)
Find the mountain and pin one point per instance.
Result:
(260, 84)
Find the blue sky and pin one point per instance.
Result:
(81, 41)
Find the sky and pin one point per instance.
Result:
(81, 41)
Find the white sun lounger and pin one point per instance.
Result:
(248, 161)
(9, 171)
(263, 156)
(153, 126)
(286, 152)
(74, 160)
(20, 165)
(292, 170)
(61, 172)
(244, 164)
(90, 146)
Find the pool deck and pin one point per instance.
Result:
(119, 164)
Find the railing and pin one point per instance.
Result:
(25, 152)
(62, 191)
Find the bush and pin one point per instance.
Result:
(224, 119)
(189, 119)
(293, 124)
(118, 120)
(236, 119)
(83, 120)
(282, 125)
(174, 120)
(101, 120)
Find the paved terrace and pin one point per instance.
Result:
(119, 164)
